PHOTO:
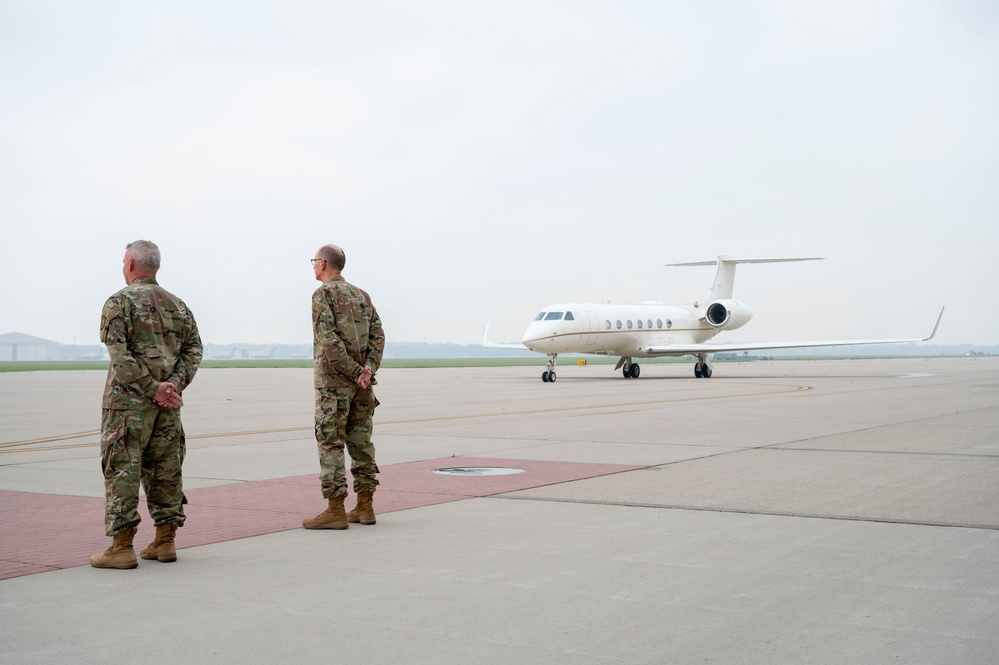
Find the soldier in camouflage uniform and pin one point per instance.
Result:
(348, 342)
(155, 350)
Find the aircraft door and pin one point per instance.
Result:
(591, 339)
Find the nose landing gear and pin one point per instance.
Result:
(548, 376)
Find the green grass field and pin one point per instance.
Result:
(411, 363)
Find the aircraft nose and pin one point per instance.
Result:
(538, 337)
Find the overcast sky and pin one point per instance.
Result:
(481, 160)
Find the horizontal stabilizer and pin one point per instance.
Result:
(721, 287)
(728, 258)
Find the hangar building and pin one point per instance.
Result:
(18, 346)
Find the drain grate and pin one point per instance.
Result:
(478, 471)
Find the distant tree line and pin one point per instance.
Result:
(451, 350)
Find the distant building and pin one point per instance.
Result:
(18, 346)
(245, 352)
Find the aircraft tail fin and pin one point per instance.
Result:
(721, 288)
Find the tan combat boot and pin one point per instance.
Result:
(162, 548)
(364, 513)
(333, 517)
(120, 555)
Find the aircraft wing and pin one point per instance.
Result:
(500, 345)
(694, 349)
(487, 340)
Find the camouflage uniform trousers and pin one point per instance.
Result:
(146, 446)
(344, 418)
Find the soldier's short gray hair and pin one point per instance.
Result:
(334, 256)
(145, 254)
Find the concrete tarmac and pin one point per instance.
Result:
(779, 512)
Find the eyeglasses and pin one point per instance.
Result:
(314, 261)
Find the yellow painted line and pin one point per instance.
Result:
(67, 447)
(611, 405)
(49, 439)
(17, 444)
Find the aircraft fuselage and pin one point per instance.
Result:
(615, 330)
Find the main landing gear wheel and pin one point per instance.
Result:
(548, 377)
(702, 371)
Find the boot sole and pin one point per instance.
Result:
(336, 527)
(125, 567)
(154, 557)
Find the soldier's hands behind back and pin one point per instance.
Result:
(167, 396)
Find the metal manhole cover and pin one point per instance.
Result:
(478, 471)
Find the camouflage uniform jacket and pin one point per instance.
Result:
(151, 337)
(346, 334)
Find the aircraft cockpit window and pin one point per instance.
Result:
(553, 316)
(539, 316)
(569, 316)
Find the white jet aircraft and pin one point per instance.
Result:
(650, 330)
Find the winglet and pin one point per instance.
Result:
(933, 334)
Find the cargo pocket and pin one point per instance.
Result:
(114, 452)
(112, 432)
(326, 428)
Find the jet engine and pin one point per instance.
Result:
(728, 314)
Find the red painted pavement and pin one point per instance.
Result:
(43, 532)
